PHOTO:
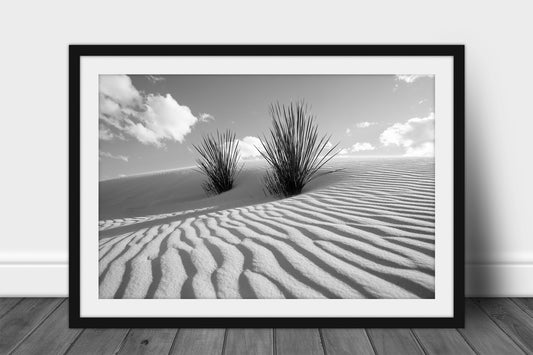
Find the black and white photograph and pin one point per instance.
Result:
(266, 186)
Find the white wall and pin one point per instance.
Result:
(34, 122)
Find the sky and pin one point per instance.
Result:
(150, 122)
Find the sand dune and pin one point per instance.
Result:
(366, 231)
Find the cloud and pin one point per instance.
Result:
(155, 79)
(102, 154)
(152, 119)
(328, 145)
(205, 117)
(344, 151)
(416, 136)
(249, 147)
(359, 147)
(365, 124)
(411, 78)
(117, 90)
(166, 118)
(426, 149)
(348, 131)
(105, 134)
(143, 134)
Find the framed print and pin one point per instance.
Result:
(266, 186)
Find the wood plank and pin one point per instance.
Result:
(298, 341)
(22, 319)
(394, 341)
(511, 319)
(53, 336)
(199, 341)
(249, 341)
(7, 303)
(526, 304)
(442, 341)
(484, 335)
(346, 341)
(148, 341)
(99, 341)
(493, 326)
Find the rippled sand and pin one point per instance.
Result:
(366, 231)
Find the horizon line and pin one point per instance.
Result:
(123, 176)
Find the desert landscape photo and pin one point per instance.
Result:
(266, 186)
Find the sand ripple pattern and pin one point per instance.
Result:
(370, 234)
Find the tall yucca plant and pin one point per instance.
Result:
(293, 149)
(219, 157)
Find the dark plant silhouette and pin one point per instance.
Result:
(219, 157)
(293, 149)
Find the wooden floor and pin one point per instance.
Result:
(40, 326)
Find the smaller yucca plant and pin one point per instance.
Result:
(219, 161)
(294, 150)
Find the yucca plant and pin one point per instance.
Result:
(293, 149)
(219, 161)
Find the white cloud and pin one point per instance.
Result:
(416, 136)
(411, 78)
(359, 147)
(102, 154)
(166, 118)
(105, 134)
(426, 149)
(155, 79)
(249, 147)
(206, 117)
(109, 107)
(143, 134)
(348, 131)
(344, 151)
(151, 119)
(120, 90)
(365, 124)
(328, 145)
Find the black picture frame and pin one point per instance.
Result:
(76, 52)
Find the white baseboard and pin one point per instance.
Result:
(499, 280)
(34, 280)
(51, 280)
